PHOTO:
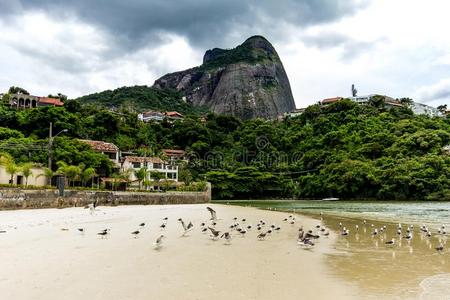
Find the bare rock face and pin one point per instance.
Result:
(247, 82)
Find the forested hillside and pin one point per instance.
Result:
(141, 98)
(342, 150)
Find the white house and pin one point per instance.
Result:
(151, 116)
(151, 164)
(423, 109)
(37, 177)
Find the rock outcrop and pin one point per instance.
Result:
(247, 82)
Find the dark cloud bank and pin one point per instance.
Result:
(205, 23)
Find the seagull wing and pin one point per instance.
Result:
(213, 231)
(212, 212)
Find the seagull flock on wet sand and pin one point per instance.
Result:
(306, 239)
(403, 232)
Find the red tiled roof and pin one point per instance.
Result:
(155, 160)
(152, 113)
(331, 100)
(173, 152)
(50, 101)
(101, 145)
(173, 114)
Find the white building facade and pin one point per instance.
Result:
(151, 164)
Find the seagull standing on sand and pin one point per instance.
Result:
(227, 237)
(103, 233)
(159, 240)
(440, 248)
(262, 236)
(212, 212)
(135, 233)
(390, 243)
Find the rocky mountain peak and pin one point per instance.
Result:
(248, 81)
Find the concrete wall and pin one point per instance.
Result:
(14, 198)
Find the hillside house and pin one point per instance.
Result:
(22, 101)
(109, 149)
(151, 164)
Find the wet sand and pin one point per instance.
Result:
(408, 270)
(41, 261)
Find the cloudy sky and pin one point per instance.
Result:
(396, 47)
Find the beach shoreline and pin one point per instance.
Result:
(41, 261)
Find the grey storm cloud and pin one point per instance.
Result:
(205, 23)
(351, 47)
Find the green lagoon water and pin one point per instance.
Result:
(418, 212)
(409, 270)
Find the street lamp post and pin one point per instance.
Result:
(50, 143)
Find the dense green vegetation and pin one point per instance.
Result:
(341, 150)
(242, 53)
(141, 98)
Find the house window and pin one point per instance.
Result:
(112, 155)
(157, 166)
(171, 176)
(136, 165)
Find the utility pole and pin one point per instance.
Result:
(51, 137)
(50, 144)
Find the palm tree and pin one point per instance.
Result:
(48, 173)
(11, 168)
(5, 158)
(141, 175)
(156, 176)
(86, 175)
(26, 171)
(69, 171)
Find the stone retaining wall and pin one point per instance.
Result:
(14, 198)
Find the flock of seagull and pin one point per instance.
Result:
(306, 239)
(405, 232)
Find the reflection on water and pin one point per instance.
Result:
(409, 269)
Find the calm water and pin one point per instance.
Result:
(411, 269)
(432, 213)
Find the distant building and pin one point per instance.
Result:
(151, 116)
(109, 149)
(174, 115)
(330, 100)
(151, 164)
(37, 179)
(22, 101)
(389, 101)
(158, 116)
(423, 109)
(175, 155)
(295, 113)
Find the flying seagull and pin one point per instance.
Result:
(212, 212)
(187, 228)
(214, 233)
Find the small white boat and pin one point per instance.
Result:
(330, 199)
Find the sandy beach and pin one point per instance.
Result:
(39, 260)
